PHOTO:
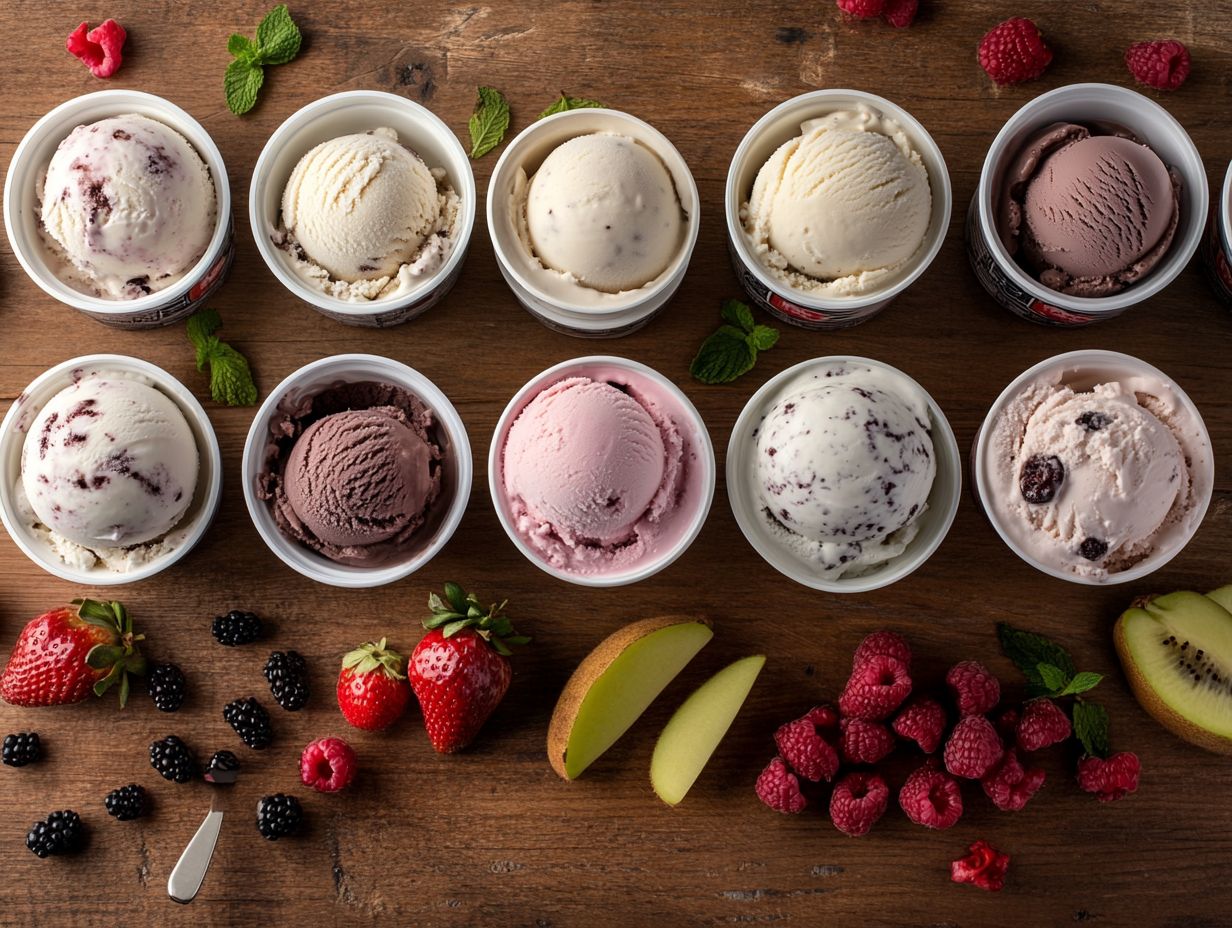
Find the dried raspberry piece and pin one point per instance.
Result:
(1009, 785)
(900, 13)
(1043, 723)
(882, 643)
(1111, 778)
(862, 9)
(858, 800)
(931, 797)
(100, 48)
(922, 721)
(1163, 65)
(973, 748)
(877, 687)
(778, 788)
(803, 747)
(984, 867)
(974, 688)
(865, 742)
(1014, 51)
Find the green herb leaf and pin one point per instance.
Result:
(241, 46)
(489, 122)
(1091, 727)
(566, 102)
(763, 337)
(230, 376)
(738, 314)
(1082, 682)
(1028, 650)
(723, 357)
(241, 83)
(1054, 677)
(278, 38)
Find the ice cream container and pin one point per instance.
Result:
(339, 114)
(21, 213)
(677, 528)
(933, 524)
(782, 123)
(21, 415)
(443, 516)
(569, 307)
(1217, 249)
(1013, 287)
(1083, 370)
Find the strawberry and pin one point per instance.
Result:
(372, 688)
(64, 655)
(460, 670)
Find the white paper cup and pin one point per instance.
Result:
(1084, 370)
(1217, 251)
(344, 114)
(694, 505)
(21, 213)
(584, 313)
(741, 491)
(782, 124)
(21, 415)
(1001, 275)
(456, 469)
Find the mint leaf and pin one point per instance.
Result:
(1091, 728)
(566, 102)
(763, 337)
(278, 38)
(723, 357)
(1028, 650)
(230, 376)
(1054, 677)
(738, 314)
(241, 46)
(240, 85)
(489, 122)
(1081, 683)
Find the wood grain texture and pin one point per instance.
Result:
(493, 836)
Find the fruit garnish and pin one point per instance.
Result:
(126, 803)
(173, 759)
(250, 721)
(1163, 65)
(984, 867)
(223, 769)
(22, 748)
(100, 49)
(1014, 51)
(779, 788)
(327, 765)
(279, 815)
(372, 687)
(166, 686)
(235, 628)
(287, 673)
(60, 833)
(858, 801)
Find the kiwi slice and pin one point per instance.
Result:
(1177, 653)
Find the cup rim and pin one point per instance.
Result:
(920, 548)
(1075, 360)
(308, 114)
(211, 456)
(1226, 206)
(942, 201)
(316, 566)
(705, 454)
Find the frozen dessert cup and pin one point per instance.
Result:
(346, 174)
(1217, 251)
(601, 471)
(593, 216)
(324, 521)
(157, 491)
(841, 222)
(133, 191)
(1116, 110)
(1094, 467)
(843, 474)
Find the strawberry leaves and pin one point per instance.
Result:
(120, 659)
(459, 610)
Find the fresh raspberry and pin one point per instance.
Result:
(1014, 51)
(877, 687)
(1162, 65)
(883, 643)
(865, 742)
(801, 744)
(99, 48)
(922, 721)
(973, 748)
(862, 9)
(1043, 723)
(900, 13)
(327, 765)
(1007, 725)
(974, 688)
(778, 788)
(984, 867)
(858, 800)
(1110, 778)
(1008, 785)
(931, 797)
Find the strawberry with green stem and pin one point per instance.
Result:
(372, 687)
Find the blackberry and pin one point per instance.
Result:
(126, 803)
(21, 749)
(278, 815)
(223, 769)
(287, 674)
(166, 684)
(236, 627)
(60, 833)
(250, 721)
(1040, 478)
(173, 760)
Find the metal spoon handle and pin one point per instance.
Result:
(185, 880)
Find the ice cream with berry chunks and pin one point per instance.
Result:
(1088, 210)
(128, 207)
(844, 466)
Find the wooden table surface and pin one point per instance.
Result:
(492, 836)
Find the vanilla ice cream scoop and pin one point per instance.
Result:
(603, 209)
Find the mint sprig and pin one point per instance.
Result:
(1047, 666)
(732, 350)
(1091, 728)
(565, 103)
(230, 376)
(489, 122)
(278, 41)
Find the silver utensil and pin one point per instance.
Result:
(189, 872)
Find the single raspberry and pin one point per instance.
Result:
(877, 687)
(922, 721)
(931, 797)
(974, 688)
(984, 867)
(99, 48)
(900, 13)
(1009, 785)
(883, 643)
(1163, 65)
(1043, 723)
(327, 765)
(1014, 51)
(1110, 778)
(858, 800)
(778, 788)
(1007, 725)
(806, 751)
(862, 9)
(973, 748)
(865, 742)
